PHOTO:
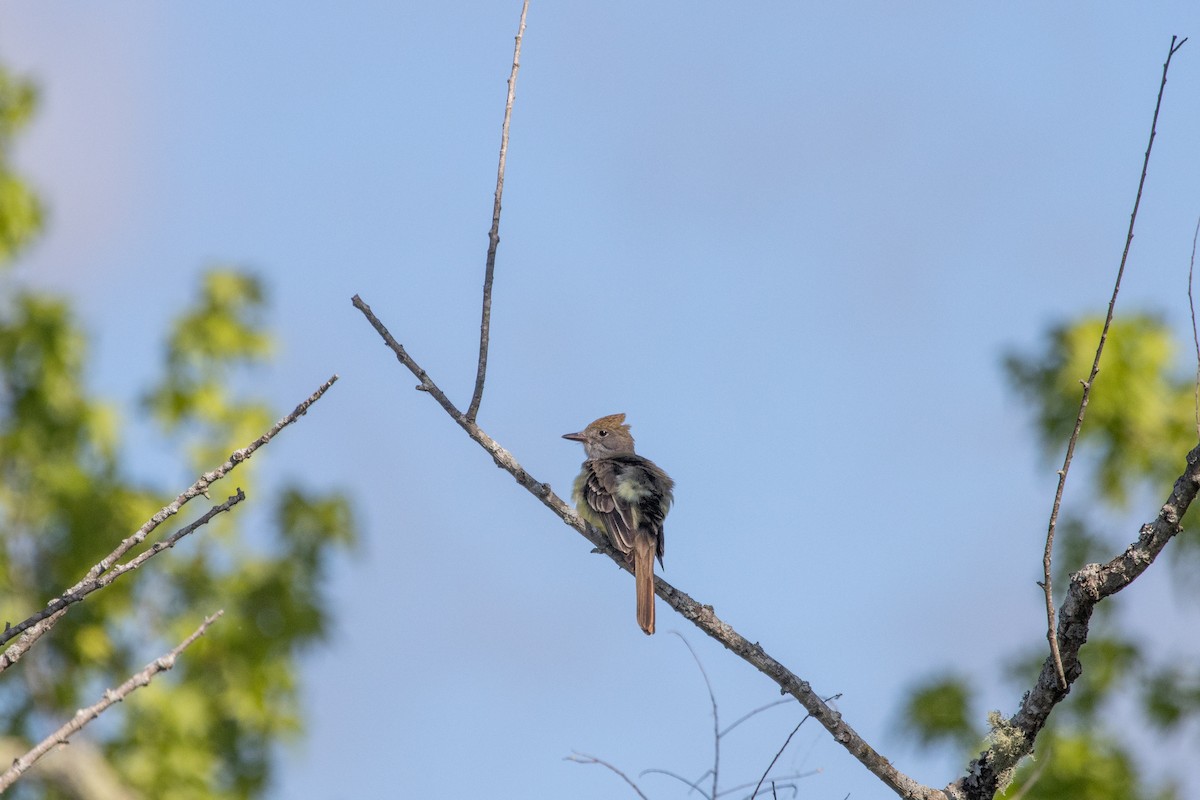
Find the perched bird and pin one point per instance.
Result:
(626, 496)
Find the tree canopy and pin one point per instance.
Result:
(67, 496)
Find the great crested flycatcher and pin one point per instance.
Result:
(626, 496)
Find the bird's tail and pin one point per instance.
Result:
(644, 548)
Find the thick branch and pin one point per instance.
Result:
(85, 715)
(485, 323)
(1047, 585)
(1088, 587)
(702, 616)
(38, 624)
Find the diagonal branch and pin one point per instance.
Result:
(702, 616)
(771, 766)
(584, 758)
(85, 715)
(37, 625)
(45, 619)
(494, 234)
(1088, 587)
(1047, 586)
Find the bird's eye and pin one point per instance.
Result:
(603, 432)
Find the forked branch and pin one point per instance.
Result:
(1047, 585)
(1088, 587)
(485, 322)
(38, 624)
(702, 616)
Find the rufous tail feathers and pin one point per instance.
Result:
(643, 574)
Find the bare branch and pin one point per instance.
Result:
(86, 715)
(58, 606)
(583, 758)
(781, 781)
(756, 711)
(1195, 334)
(712, 698)
(1088, 587)
(696, 787)
(494, 234)
(37, 625)
(1047, 586)
(702, 616)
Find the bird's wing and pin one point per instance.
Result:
(602, 497)
(652, 508)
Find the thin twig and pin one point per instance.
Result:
(770, 766)
(712, 698)
(1195, 335)
(86, 715)
(696, 787)
(702, 616)
(756, 711)
(36, 626)
(1031, 781)
(485, 323)
(583, 758)
(785, 781)
(89, 584)
(1051, 631)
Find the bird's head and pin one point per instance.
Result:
(607, 436)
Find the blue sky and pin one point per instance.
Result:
(791, 243)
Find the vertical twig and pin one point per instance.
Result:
(716, 769)
(1195, 335)
(494, 234)
(1051, 632)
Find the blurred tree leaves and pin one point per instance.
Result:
(1140, 424)
(208, 345)
(937, 712)
(20, 210)
(1141, 414)
(66, 498)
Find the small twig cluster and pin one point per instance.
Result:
(1047, 557)
(782, 781)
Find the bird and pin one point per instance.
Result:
(628, 497)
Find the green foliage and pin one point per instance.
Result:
(208, 345)
(207, 729)
(1172, 696)
(937, 712)
(20, 211)
(1081, 764)
(1140, 416)
(1141, 422)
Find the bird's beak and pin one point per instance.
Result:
(575, 437)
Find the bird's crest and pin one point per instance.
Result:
(613, 422)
